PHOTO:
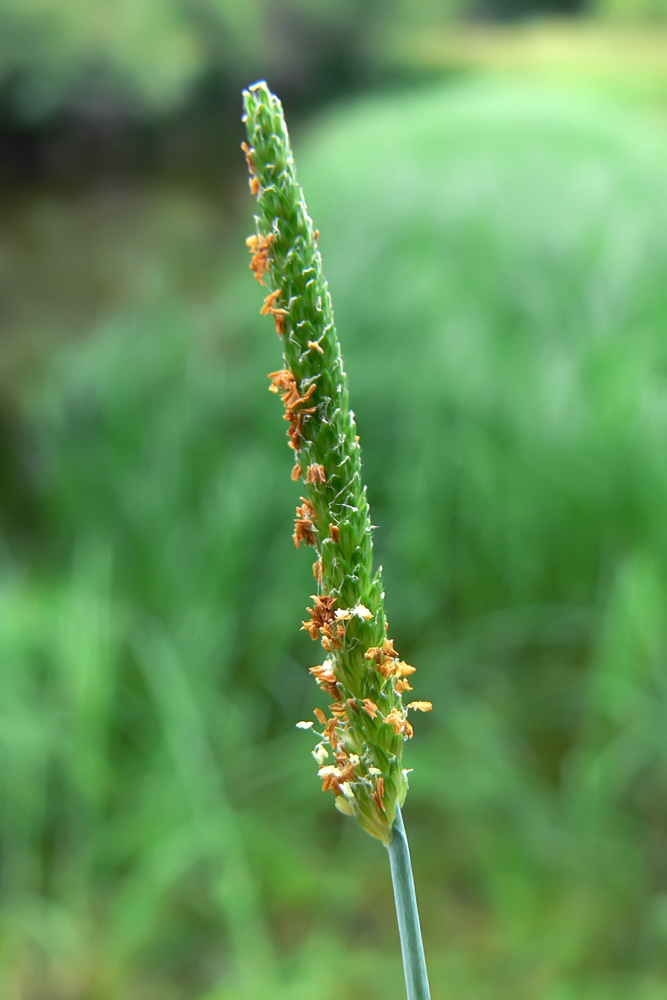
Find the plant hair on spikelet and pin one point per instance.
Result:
(361, 739)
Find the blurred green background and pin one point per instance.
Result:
(490, 181)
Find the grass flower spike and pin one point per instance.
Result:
(361, 738)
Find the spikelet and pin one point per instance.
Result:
(361, 738)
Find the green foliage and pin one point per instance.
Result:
(624, 58)
(633, 10)
(148, 57)
(51, 52)
(497, 260)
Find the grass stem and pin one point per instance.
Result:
(412, 948)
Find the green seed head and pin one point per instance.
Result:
(361, 740)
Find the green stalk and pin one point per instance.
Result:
(412, 948)
(360, 748)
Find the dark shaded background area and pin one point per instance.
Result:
(489, 182)
(74, 99)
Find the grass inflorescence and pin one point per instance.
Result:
(361, 740)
